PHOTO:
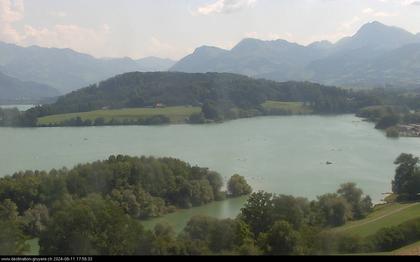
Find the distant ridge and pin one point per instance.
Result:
(66, 69)
(12, 89)
(355, 61)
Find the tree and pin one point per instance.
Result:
(257, 212)
(216, 182)
(353, 195)
(388, 121)
(392, 132)
(197, 118)
(165, 242)
(202, 192)
(99, 121)
(35, 220)
(210, 111)
(218, 236)
(281, 239)
(333, 210)
(238, 186)
(8, 210)
(364, 208)
(290, 209)
(94, 226)
(406, 182)
(12, 240)
(389, 238)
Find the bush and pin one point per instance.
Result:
(392, 132)
(387, 121)
(391, 238)
(100, 121)
(238, 186)
(197, 118)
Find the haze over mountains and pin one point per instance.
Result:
(15, 90)
(376, 56)
(67, 70)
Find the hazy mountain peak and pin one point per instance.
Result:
(208, 51)
(376, 27)
(324, 44)
(66, 69)
(12, 89)
(378, 36)
(153, 63)
(248, 45)
(207, 48)
(250, 41)
(252, 45)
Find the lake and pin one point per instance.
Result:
(284, 155)
(19, 107)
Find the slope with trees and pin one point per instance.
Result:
(93, 209)
(67, 70)
(13, 90)
(377, 55)
(220, 96)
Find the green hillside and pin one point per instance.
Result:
(176, 114)
(383, 216)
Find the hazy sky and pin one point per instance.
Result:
(174, 28)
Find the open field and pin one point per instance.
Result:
(176, 114)
(410, 250)
(384, 216)
(33, 247)
(293, 108)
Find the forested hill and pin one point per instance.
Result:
(225, 91)
(15, 90)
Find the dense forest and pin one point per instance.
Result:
(144, 187)
(141, 188)
(221, 95)
(391, 117)
(95, 209)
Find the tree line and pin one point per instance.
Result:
(95, 209)
(141, 187)
(220, 95)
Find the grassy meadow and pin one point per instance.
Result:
(293, 108)
(383, 216)
(176, 114)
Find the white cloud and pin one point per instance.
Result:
(224, 7)
(385, 14)
(372, 13)
(158, 47)
(402, 2)
(73, 36)
(368, 10)
(66, 36)
(408, 2)
(415, 3)
(351, 23)
(59, 14)
(10, 12)
(270, 36)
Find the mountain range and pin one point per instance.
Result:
(376, 56)
(14, 90)
(67, 70)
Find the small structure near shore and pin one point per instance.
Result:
(411, 130)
